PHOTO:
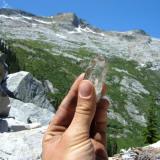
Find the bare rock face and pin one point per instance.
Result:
(29, 112)
(23, 145)
(67, 20)
(26, 88)
(21, 132)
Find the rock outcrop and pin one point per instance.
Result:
(151, 152)
(29, 112)
(22, 130)
(26, 88)
(67, 20)
(23, 145)
(28, 105)
(49, 87)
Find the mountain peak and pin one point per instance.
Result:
(68, 18)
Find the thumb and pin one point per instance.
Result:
(86, 106)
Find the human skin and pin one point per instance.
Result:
(78, 129)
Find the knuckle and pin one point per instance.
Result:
(84, 108)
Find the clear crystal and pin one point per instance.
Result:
(96, 73)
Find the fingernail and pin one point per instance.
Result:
(85, 89)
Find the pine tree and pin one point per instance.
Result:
(112, 146)
(151, 132)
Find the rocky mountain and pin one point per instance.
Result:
(56, 49)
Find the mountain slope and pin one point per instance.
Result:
(59, 47)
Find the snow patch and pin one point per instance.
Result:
(61, 36)
(45, 22)
(13, 17)
(37, 20)
(79, 29)
(28, 18)
(120, 70)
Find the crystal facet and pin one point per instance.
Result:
(96, 73)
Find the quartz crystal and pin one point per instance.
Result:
(96, 73)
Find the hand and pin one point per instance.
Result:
(77, 131)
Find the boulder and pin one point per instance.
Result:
(23, 145)
(4, 105)
(26, 88)
(29, 112)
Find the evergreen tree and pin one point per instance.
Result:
(151, 131)
(112, 146)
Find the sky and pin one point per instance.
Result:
(109, 15)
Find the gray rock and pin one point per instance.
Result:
(129, 155)
(67, 20)
(29, 113)
(151, 152)
(3, 126)
(12, 125)
(28, 89)
(23, 145)
(49, 87)
(117, 116)
(135, 114)
(4, 105)
(132, 85)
